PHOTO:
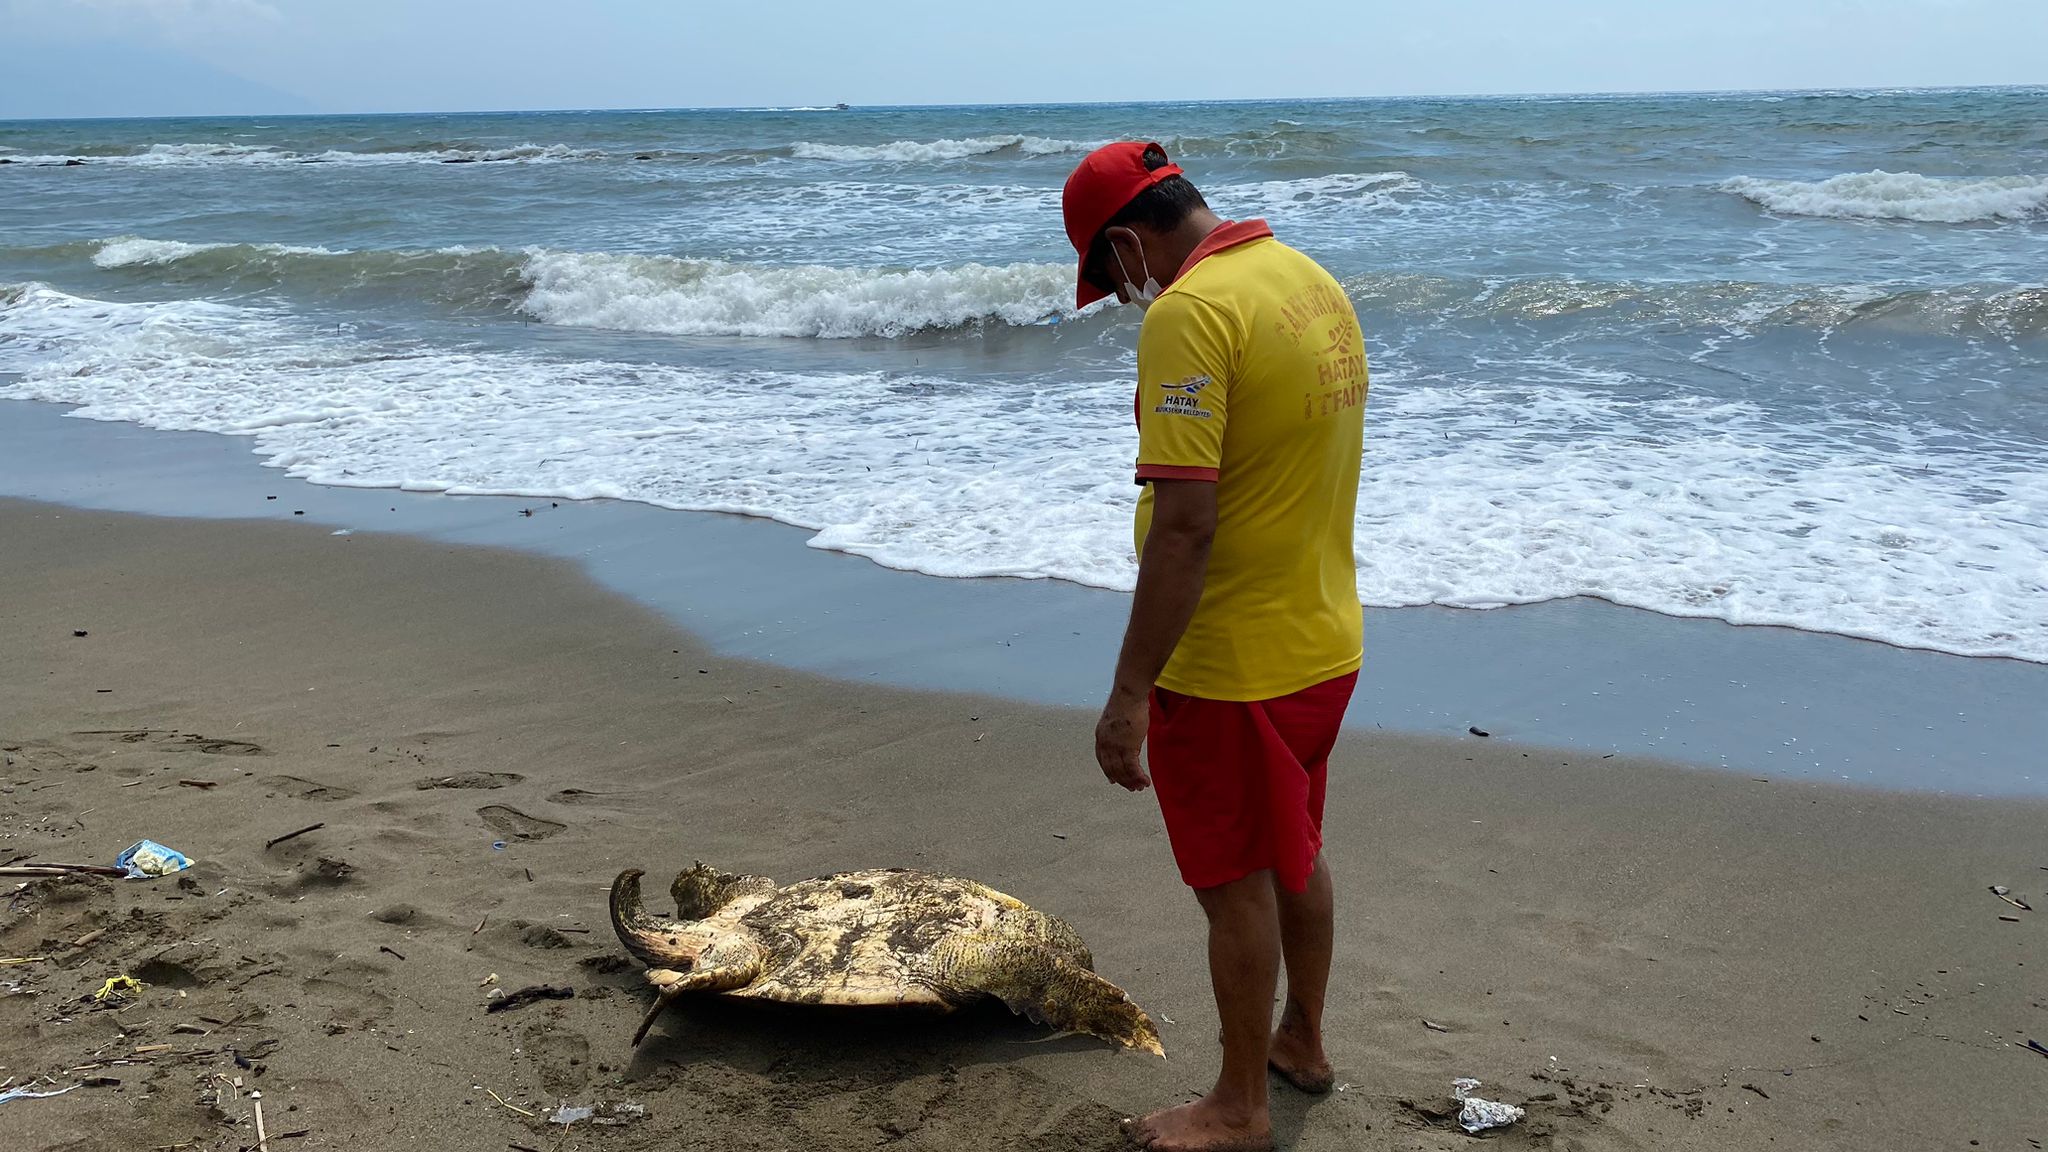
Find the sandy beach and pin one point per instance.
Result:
(1646, 956)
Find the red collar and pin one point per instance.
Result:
(1228, 234)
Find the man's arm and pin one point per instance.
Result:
(1170, 578)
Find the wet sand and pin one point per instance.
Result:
(1579, 673)
(1647, 956)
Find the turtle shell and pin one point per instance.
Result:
(867, 938)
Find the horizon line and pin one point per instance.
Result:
(845, 107)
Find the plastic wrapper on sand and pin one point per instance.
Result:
(148, 858)
(1481, 1115)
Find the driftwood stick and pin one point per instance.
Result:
(61, 870)
(269, 844)
(514, 1107)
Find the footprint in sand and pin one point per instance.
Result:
(541, 936)
(470, 780)
(173, 741)
(327, 871)
(348, 992)
(583, 796)
(189, 964)
(518, 825)
(300, 788)
(562, 1055)
(36, 755)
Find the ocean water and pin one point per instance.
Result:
(1767, 358)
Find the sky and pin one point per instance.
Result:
(193, 57)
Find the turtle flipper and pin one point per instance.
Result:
(1035, 979)
(721, 968)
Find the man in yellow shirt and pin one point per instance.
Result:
(1245, 635)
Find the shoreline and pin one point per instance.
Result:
(1578, 674)
(1626, 946)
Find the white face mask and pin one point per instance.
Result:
(1142, 297)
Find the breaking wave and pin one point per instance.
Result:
(135, 251)
(714, 298)
(618, 290)
(1884, 195)
(201, 155)
(463, 279)
(644, 292)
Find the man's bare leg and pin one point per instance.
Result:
(1307, 938)
(1244, 967)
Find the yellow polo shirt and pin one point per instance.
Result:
(1252, 374)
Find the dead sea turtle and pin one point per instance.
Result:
(883, 937)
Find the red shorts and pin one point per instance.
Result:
(1242, 783)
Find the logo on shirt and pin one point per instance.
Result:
(1185, 399)
(1343, 338)
(1343, 358)
(1171, 405)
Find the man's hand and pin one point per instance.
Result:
(1119, 737)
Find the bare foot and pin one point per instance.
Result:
(1202, 1127)
(1297, 1055)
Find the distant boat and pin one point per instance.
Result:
(841, 107)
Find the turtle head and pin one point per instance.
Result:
(702, 890)
(656, 941)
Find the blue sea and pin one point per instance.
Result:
(1768, 358)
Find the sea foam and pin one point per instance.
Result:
(932, 151)
(1545, 485)
(1884, 195)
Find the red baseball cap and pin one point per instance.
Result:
(1109, 178)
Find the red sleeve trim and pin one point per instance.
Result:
(1175, 472)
